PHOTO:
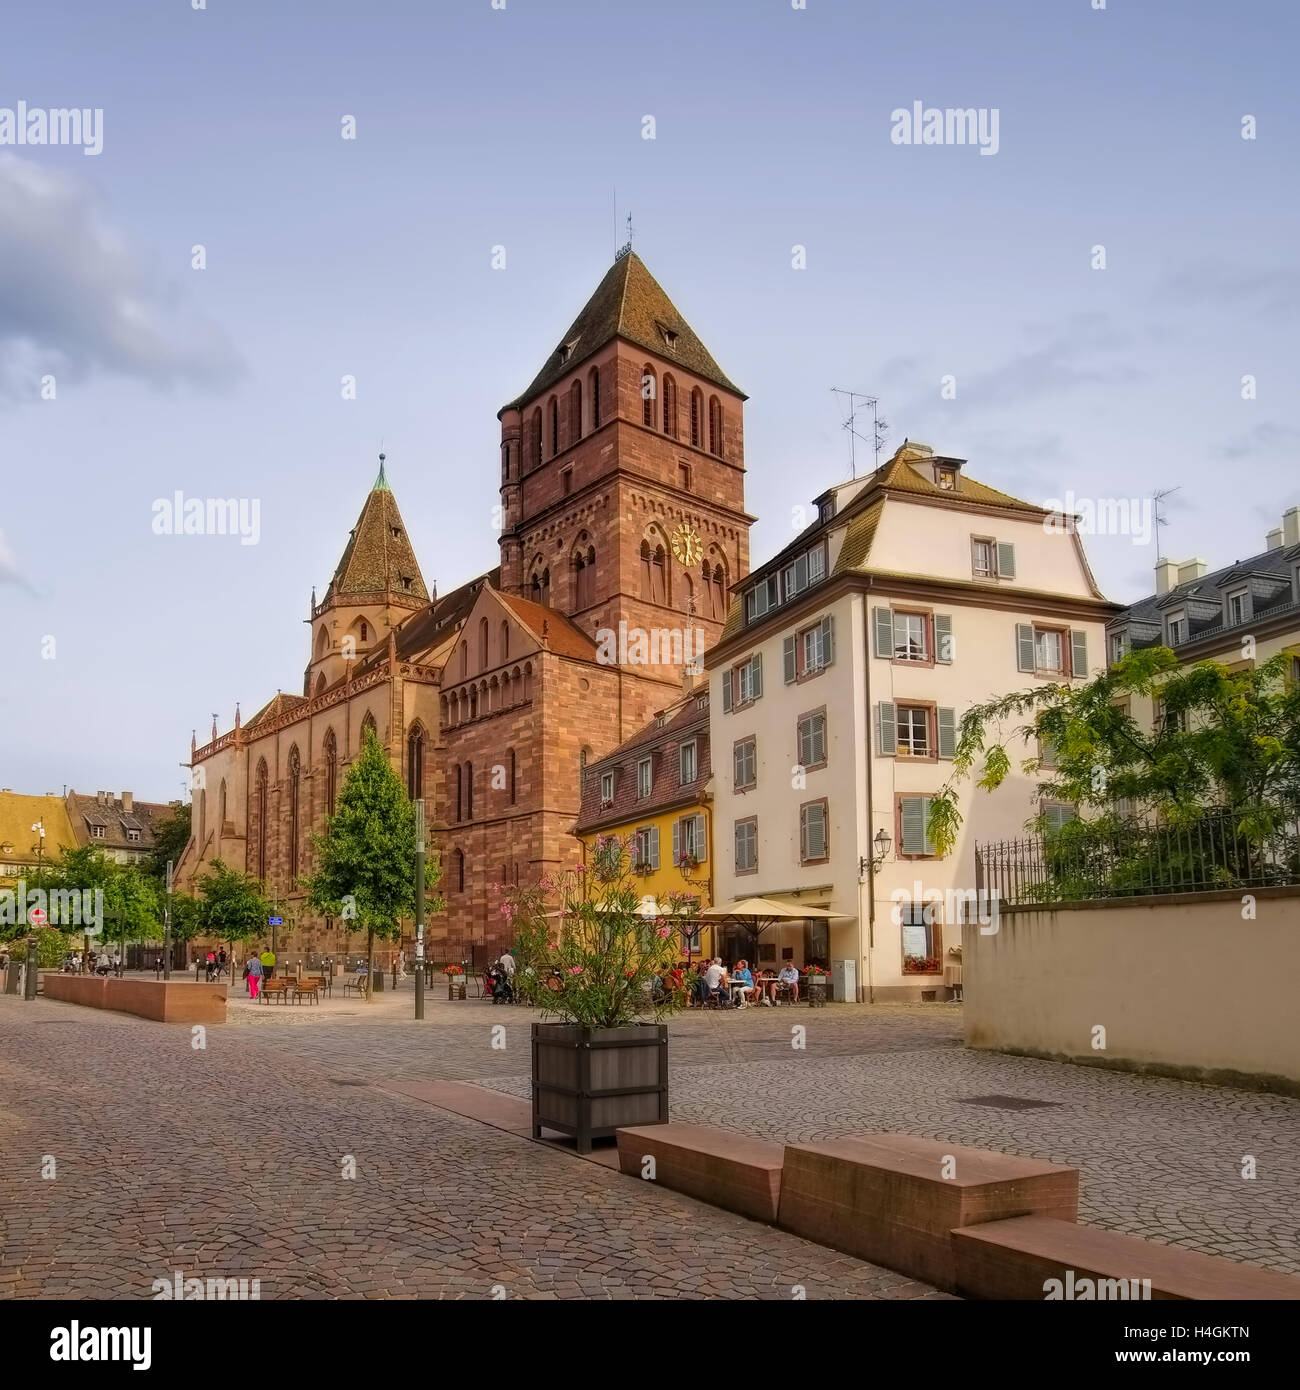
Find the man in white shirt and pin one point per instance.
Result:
(715, 976)
(507, 963)
(790, 976)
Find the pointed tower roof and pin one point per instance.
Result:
(629, 303)
(379, 557)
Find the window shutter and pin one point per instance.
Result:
(828, 639)
(726, 692)
(756, 680)
(947, 732)
(943, 638)
(1025, 647)
(677, 842)
(654, 846)
(819, 738)
(883, 620)
(701, 838)
(913, 814)
(1006, 560)
(803, 832)
(738, 765)
(814, 832)
(1078, 652)
(791, 670)
(886, 728)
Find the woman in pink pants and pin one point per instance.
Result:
(254, 977)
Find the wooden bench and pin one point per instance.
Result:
(716, 1165)
(894, 1199)
(1016, 1258)
(357, 982)
(308, 987)
(275, 988)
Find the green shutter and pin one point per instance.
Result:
(947, 732)
(1006, 560)
(1078, 652)
(677, 843)
(912, 819)
(883, 623)
(738, 765)
(726, 692)
(1025, 647)
(886, 728)
(791, 668)
(756, 679)
(943, 645)
(701, 838)
(828, 639)
(654, 846)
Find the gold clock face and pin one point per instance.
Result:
(687, 546)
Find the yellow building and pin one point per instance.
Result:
(653, 790)
(22, 848)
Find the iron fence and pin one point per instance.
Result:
(1085, 860)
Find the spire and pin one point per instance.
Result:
(379, 557)
(381, 482)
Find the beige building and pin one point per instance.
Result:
(837, 690)
(23, 847)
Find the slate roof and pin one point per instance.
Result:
(684, 721)
(630, 304)
(379, 556)
(85, 810)
(1268, 576)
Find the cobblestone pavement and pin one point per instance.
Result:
(227, 1162)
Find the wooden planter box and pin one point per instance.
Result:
(590, 1082)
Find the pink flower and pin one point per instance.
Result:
(662, 932)
(575, 970)
(507, 909)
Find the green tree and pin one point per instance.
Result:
(230, 906)
(365, 860)
(85, 869)
(1228, 741)
(170, 838)
(132, 907)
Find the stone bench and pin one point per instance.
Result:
(885, 1199)
(716, 1165)
(1016, 1258)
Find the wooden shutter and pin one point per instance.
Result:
(1006, 560)
(701, 838)
(677, 843)
(883, 624)
(828, 639)
(812, 832)
(756, 676)
(818, 739)
(943, 638)
(1078, 652)
(1025, 647)
(886, 728)
(791, 664)
(913, 813)
(738, 765)
(726, 692)
(654, 846)
(947, 721)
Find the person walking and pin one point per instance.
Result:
(401, 964)
(221, 962)
(254, 977)
(267, 959)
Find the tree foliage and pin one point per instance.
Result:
(230, 906)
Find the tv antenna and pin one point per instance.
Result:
(1156, 498)
(879, 426)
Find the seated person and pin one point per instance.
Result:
(714, 978)
(789, 976)
(742, 982)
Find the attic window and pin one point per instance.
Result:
(945, 477)
(661, 720)
(669, 335)
(406, 581)
(701, 702)
(826, 510)
(565, 350)
(97, 832)
(397, 533)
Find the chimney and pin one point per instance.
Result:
(99, 796)
(1191, 569)
(1291, 526)
(1166, 576)
(128, 801)
(1273, 541)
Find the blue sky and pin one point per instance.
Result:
(479, 127)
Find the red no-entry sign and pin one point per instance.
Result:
(37, 916)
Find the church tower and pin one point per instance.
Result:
(622, 477)
(376, 585)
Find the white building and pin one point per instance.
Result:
(837, 688)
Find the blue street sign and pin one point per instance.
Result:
(275, 921)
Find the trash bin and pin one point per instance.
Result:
(377, 983)
(11, 977)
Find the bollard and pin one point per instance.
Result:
(31, 975)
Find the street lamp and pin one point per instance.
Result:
(880, 847)
(419, 907)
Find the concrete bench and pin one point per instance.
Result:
(885, 1197)
(1016, 1258)
(716, 1165)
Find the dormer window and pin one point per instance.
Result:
(826, 511)
(669, 335)
(945, 477)
(1118, 646)
(565, 350)
(1238, 607)
(606, 788)
(1175, 629)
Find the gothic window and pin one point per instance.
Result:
(505, 642)
(460, 793)
(295, 785)
(670, 407)
(221, 806)
(688, 594)
(593, 382)
(469, 791)
(648, 394)
(546, 588)
(528, 682)
(320, 684)
(646, 591)
(536, 440)
(719, 587)
(203, 815)
(512, 776)
(535, 588)
(584, 577)
(554, 426)
(415, 763)
(331, 751)
(458, 869)
(575, 412)
(715, 426)
(473, 702)
(368, 723)
(365, 631)
(322, 641)
(482, 644)
(260, 810)
(659, 576)
(697, 404)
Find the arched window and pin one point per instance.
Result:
(648, 395)
(715, 426)
(553, 425)
(460, 793)
(719, 593)
(330, 750)
(469, 791)
(512, 776)
(415, 762)
(575, 412)
(295, 787)
(203, 817)
(221, 806)
(473, 702)
(464, 660)
(505, 690)
(259, 804)
(494, 693)
(646, 589)
(697, 410)
(584, 577)
(322, 641)
(659, 576)
(688, 594)
(528, 682)
(593, 383)
(504, 653)
(670, 407)
(546, 588)
(482, 644)
(458, 869)
(536, 440)
(320, 684)
(365, 631)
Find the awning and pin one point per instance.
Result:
(764, 910)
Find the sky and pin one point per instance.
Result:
(964, 290)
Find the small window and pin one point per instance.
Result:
(1118, 646)
(684, 476)
(1056, 814)
(745, 765)
(1238, 608)
(913, 731)
(643, 777)
(132, 835)
(1176, 630)
(647, 847)
(687, 762)
(1048, 755)
(748, 682)
(97, 832)
(566, 481)
(946, 478)
(812, 740)
(826, 511)
(1049, 650)
(607, 788)
(984, 559)
(747, 846)
(911, 637)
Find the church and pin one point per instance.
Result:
(623, 512)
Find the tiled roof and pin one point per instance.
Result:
(18, 813)
(899, 475)
(562, 635)
(661, 743)
(273, 709)
(425, 631)
(85, 810)
(629, 304)
(378, 557)
(856, 547)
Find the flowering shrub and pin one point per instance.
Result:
(452, 970)
(815, 970)
(598, 968)
(920, 965)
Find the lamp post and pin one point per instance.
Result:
(867, 869)
(167, 927)
(419, 908)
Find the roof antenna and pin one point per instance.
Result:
(1156, 499)
(879, 426)
(626, 248)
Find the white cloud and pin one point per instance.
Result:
(9, 571)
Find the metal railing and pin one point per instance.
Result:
(1103, 859)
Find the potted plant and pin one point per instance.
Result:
(920, 965)
(602, 1063)
(455, 981)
